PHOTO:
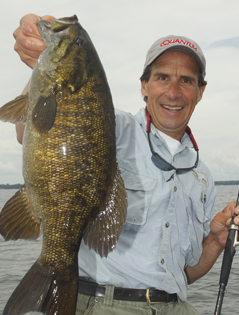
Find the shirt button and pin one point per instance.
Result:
(167, 224)
(162, 261)
(175, 189)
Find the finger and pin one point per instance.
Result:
(48, 18)
(30, 44)
(28, 48)
(27, 59)
(237, 210)
(228, 222)
(28, 25)
(230, 208)
(236, 220)
(27, 34)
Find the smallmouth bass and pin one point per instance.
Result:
(73, 188)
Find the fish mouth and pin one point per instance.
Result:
(172, 108)
(47, 29)
(63, 23)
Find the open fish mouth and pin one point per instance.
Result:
(64, 23)
(47, 30)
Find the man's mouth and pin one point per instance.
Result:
(172, 108)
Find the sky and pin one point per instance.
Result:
(122, 32)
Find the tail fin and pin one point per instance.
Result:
(42, 293)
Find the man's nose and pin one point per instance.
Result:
(173, 90)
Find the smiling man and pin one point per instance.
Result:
(173, 84)
(170, 238)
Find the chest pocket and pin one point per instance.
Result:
(139, 193)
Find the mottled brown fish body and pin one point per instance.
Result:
(72, 181)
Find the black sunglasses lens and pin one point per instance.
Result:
(161, 164)
(164, 165)
(183, 171)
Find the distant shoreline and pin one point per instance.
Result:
(217, 183)
(7, 186)
(226, 182)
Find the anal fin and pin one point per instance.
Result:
(102, 233)
(17, 220)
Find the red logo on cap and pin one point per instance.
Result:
(179, 41)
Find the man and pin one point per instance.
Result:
(167, 240)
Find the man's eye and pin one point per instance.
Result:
(186, 80)
(162, 77)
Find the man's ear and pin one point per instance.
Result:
(200, 92)
(144, 88)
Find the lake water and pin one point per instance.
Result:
(16, 257)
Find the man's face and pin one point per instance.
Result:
(172, 92)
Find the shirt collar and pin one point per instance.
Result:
(142, 119)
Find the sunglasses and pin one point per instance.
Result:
(160, 162)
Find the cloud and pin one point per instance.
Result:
(230, 42)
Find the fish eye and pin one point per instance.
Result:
(79, 41)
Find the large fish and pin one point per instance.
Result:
(73, 187)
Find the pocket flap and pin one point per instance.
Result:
(139, 193)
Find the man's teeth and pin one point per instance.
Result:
(176, 108)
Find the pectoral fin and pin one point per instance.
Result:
(17, 220)
(44, 113)
(16, 110)
(102, 233)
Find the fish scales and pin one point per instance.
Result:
(72, 184)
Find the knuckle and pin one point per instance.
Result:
(28, 30)
(15, 33)
(16, 47)
(27, 44)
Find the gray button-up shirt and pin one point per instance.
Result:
(168, 215)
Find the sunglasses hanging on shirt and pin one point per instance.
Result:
(159, 161)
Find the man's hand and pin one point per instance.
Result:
(214, 243)
(29, 43)
(221, 222)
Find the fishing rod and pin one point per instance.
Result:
(229, 253)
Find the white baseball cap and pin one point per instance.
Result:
(178, 43)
